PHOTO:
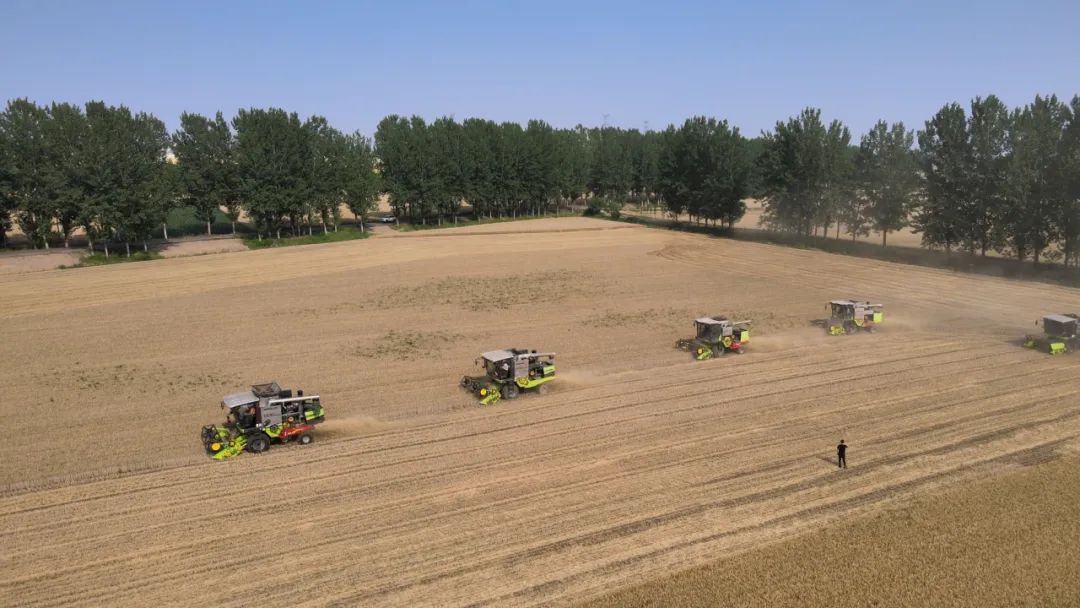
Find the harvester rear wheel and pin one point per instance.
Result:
(258, 442)
(542, 389)
(509, 390)
(305, 439)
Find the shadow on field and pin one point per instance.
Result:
(915, 256)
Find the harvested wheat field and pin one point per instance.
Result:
(639, 463)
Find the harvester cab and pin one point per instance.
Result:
(264, 415)
(852, 316)
(1061, 334)
(716, 336)
(509, 372)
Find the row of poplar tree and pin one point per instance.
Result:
(116, 174)
(987, 178)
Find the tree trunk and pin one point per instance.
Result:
(279, 234)
(145, 248)
(884, 237)
(164, 231)
(208, 231)
(127, 248)
(106, 250)
(233, 227)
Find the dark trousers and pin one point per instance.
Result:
(841, 461)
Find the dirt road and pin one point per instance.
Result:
(639, 462)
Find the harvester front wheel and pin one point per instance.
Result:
(542, 389)
(258, 442)
(509, 390)
(305, 439)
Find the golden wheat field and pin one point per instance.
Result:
(640, 462)
(1009, 540)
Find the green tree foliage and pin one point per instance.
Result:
(66, 133)
(805, 170)
(326, 176)
(445, 147)
(360, 186)
(274, 166)
(887, 181)
(1037, 191)
(399, 146)
(542, 169)
(8, 200)
(127, 184)
(988, 138)
(576, 154)
(945, 156)
(612, 165)
(23, 128)
(1068, 216)
(204, 151)
(498, 169)
(705, 170)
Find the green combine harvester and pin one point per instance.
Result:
(1061, 334)
(510, 372)
(715, 336)
(264, 415)
(853, 316)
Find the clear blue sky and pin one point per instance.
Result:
(566, 62)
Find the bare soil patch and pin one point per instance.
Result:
(174, 249)
(34, 261)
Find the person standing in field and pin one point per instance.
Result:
(841, 455)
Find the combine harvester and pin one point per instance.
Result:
(509, 372)
(716, 336)
(853, 316)
(264, 415)
(1061, 334)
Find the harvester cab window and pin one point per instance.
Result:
(245, 417)
(499, 369)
